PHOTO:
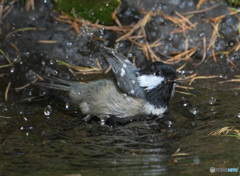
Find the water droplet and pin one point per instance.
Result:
(154, 9)
(21, 128)
(51, 62)
(201, 34)
(169, 124)
(5, 109)
(30, 93)
(213, 110)
(43, 63)
(32, 18)
(186, 104)
(102, 31)
(239, 115)
(132, 92)
(212, 100)
(12, 70)
(107, 4)
(195, 111)
(47, 110)
(102, 121)
(130, 55)
(231, 44)
(67, 106)
(25, 118)
(69, 43)
(42, 92)
(196, 160)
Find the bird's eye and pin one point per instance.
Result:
(157, 73)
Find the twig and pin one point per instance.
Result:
(108, 69)
(200, 2)
(231, 62)
(185, 19)
(237, 46)
(187, 78)
(201, 11)
(182, 56)
(214, 35)
(203, 77)
(230, 80)
(16, 48)
(6, 91)
(214, 56)
(140, 23)
(48, 41)
(184, 87)
(24, 29)
(1, 9)
(181, 67)
(7, 58)
(29, 4)
(82, 70)
(185, 93)
(204, 52)
(98, 64)
(224, 130)
(5, 117)
(26, 85)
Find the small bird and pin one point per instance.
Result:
(132, 93)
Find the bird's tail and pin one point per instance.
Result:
(57, 83)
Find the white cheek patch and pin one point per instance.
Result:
(149, 81)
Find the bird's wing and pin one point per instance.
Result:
(125, 72)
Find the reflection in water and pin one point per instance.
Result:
(64, 144)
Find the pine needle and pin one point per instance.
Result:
(23, 29)
(6, 91)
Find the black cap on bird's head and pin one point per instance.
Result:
(159, 69)
(158, 81)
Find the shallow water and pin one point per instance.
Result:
(42, 137)
(61, 143)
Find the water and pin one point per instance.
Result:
(47, 137)
(62, 144)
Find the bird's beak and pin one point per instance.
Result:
(171, 81)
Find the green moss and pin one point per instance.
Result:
(234, 2)
(92, 10)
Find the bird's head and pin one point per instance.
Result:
(158, 81)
